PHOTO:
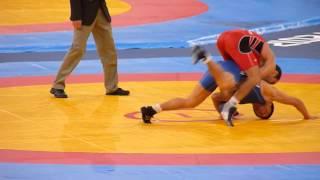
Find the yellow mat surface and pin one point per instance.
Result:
(89, 121)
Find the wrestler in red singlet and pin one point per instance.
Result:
(242, 46)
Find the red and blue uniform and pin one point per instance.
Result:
(210, 84)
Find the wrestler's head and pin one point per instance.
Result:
(263, 111)
(275, 77)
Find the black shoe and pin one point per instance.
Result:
(199, 54)
(229, 116)
(232, 111)
(236, 113)
(147, 113)
(58, 93)
(119, 92)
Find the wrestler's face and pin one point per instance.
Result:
(272, 78)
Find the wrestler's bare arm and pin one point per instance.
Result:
(268, 61)
(271, 93)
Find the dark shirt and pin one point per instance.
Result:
(86, 10)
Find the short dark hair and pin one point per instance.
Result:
(259, 115)
(278, 69)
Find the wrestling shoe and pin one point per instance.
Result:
(235, 114)
(147, 113)
(199, 54)
(58, 93)
(119, 92)
(227, 114)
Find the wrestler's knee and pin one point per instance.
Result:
(228, 82)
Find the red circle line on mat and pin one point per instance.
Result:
(95, 78)
(38, 157)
